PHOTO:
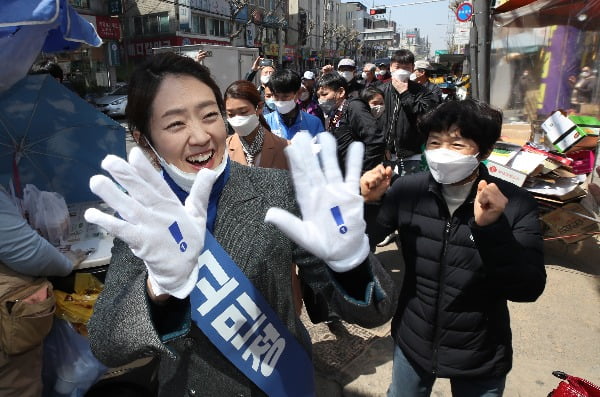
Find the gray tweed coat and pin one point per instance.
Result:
(126, 326)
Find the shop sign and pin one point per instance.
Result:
(141, 48)
(272, 49)
(114, 55)
(108, 27)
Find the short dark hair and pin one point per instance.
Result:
(334, 81)
(146, 79)
(48, 67)
(284, 81)
(403, 56)
(476, 120)
(369, 93)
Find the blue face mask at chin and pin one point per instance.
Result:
(270, 104)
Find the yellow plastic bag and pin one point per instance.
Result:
(78, 307)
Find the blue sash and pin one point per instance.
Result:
(236, 318)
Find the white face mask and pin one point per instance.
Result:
(244, 125)
(183, 179)
(347, 75)
(401, 75)
(412, 77)
(364, 75)
(304, 96)
(449, 166)
(284, 107)
(265, 79)
(377, 110)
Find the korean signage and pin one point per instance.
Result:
(142, 48)
(108, 27)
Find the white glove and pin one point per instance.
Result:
(165, 234)
(333, 227)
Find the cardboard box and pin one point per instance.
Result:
(517, 133)
(506, 173)
(562, 132)
(567, 222)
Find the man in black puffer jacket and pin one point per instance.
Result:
(471, 242)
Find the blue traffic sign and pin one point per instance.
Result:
(464, 12)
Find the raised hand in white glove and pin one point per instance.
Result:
(333, 227)
(167, 235)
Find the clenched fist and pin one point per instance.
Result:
(489, 203)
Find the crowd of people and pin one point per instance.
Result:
(239, 209)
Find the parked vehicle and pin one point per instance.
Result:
(448, 90)
(113, 104)
(226, 63)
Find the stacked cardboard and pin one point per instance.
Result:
(554, 161)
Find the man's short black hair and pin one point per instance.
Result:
(403, 56)
(333, 81)
(284, 81)
(48, 67)
(474, 119)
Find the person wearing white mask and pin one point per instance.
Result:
(368, 75)
(289, 119)
(350, 120)
(405, 102)
(471, 243)
(421, 75)
(253, 143)
(266, 68)
(306, 101)
(200, 275)
(347, 69)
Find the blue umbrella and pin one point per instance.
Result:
(30, 26)
(53, 139)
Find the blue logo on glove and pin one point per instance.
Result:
(176, 233)
(337, 215)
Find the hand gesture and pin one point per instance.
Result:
(400, 85)
(332, 225)
(201, 55)
(489, 203)
(374, 183)
(256, 64)
(167, 235)
(327, 69)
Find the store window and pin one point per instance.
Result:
(198, 24)
(218, 28)
(151, 24)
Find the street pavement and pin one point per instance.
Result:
(560, 331)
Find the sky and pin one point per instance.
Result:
(431, 18)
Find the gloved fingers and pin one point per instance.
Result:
(305, 160)
(109, 192)
(354, 162)
(301, 180)
(290, 225)
(147, 172)
(127, 176)
(196, 203)
(328, 156)
(114, 226)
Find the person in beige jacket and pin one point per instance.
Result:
(253, 143)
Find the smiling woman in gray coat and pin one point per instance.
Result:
(176, 111)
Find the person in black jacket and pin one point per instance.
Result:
(471, 242)
(349, 120)
(405, 102)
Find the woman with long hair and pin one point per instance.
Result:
(253, 143)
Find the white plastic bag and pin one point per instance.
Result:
(47, 213)
(31, 196)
